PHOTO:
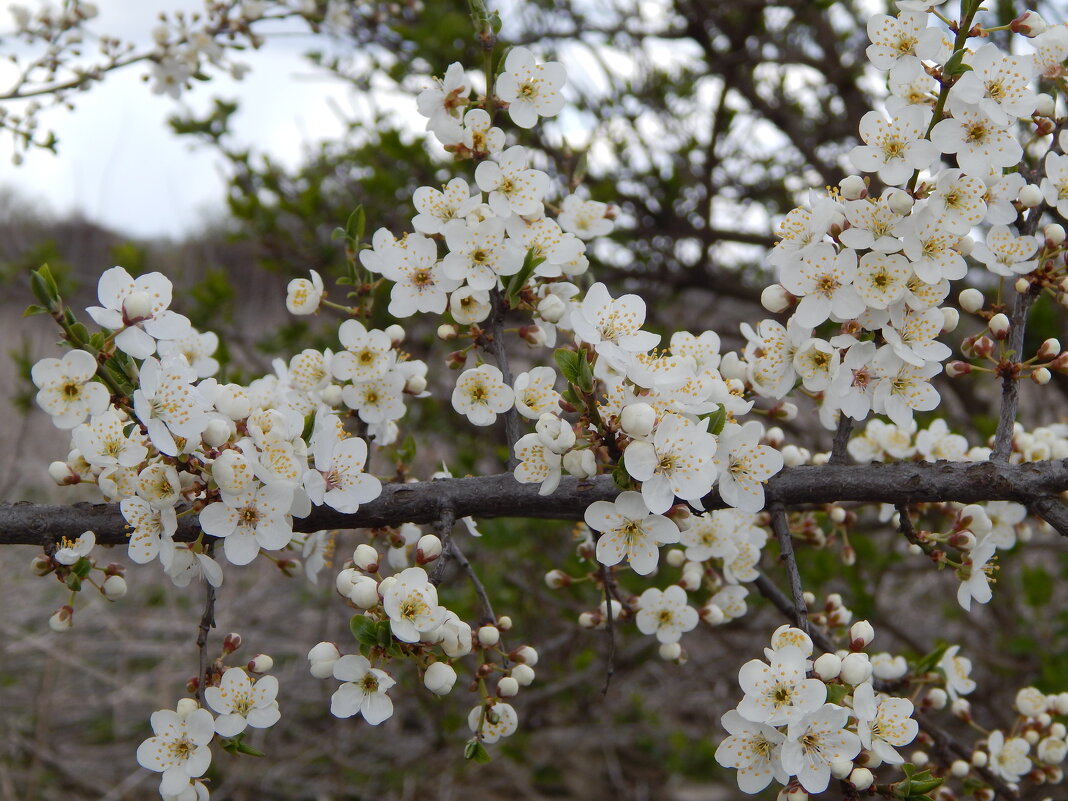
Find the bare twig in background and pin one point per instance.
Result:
(609, 627)
(781, 526)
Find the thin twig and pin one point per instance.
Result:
(1010, 376)
(786, 554)
(495, 345)
(610, 658)
(839, 454)
(480, 591)
(444, 529)
(904, 525)
(207, 623)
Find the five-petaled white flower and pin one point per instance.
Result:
(179, 750)
(241, 703)
(754, 750)
(745, 465)
(67, 389)
(481, 395)
(629, 530)
(780, 692)
(411, 602)
(530, 89)
(137, 309)
(364, 690)
(665, 614)
(884, 724)
(816, 741)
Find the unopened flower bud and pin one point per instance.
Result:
(114, 587)
(231, 642)
(588, 620)
(1052, 750)
(260, 663)
(676, 557)
(828, 667)
(524, 674)
(960, 768)
(853, 187)
(1058, 730)
(1030, 196)
(552, 308)
(971, 300)
(216, 433)
(507, 687)
(504, 623)
(670, 651)
(958, 368)
(439, 678)
(1054, 233)
(793, 456)
(1045, 105)
(983, 347)
(775, 298)
(792, 792)
(965, 245)
(322, 658)
(62, 620)
(556, 578)
(41, 565)
(136, 306)
(999, 326)
(62, 474)
(395, 333)
(533, 335)
(950, 319)
(900, 202)
(1041, 376)
(784, 411)
(488, 636)
(427, 549)
(447, 332)
(860, 634)
(712, 614)
(732, 366)
(365, 557)
(856, 669)
(415, 385)
(936, 698)
(962, 709)
(581, 463)
(861, 778)
(637, 420)
(963, 540)
(919, 758)
(1029, 24)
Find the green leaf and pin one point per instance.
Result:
(519, 280)
(74, 584)
(585, 377)
(355, 225)
(33, 309)
(42, 290)
(927, 663)
(364, 629)
(620, 477)
(835, 693)
(475, 750)
(716, 420)
(338, 233)
(568, 362)
(82, 567)
(245, 748)
(80, 333)
(915, 785)
(955, 65)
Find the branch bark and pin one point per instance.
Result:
(1034, 484)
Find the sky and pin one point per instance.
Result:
(118, 162)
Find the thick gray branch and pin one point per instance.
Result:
(1035, 484)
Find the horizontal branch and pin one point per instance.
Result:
(1034, 484)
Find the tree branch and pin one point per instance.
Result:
(781, 526)
(1033, 483)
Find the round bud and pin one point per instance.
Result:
(322, 658)
(427, 549)
(1049, 349)
(919, 758)
(950, 319)
(136, 307)
(524, 674)
(365, 557)
(447, 332)
(233, 401)
(1041, 376)
(332, 396)
(62, 620)
(1054, 234)
(775, 437)
(260, 663)
(1029, 23)
(960, 768)
(439, 678)
(676, 557)
(732, 366)
(395, 333)
(1030, 196)
(900, 202)
(999, 326)
(552, 308)
(556, 578)
(712, 614)
(186, 707)
(792, 456)
(231, 642)
(1022, 285)
(114, 587)
(971, 300)
(957, 368)
(1032, 736)
(216, 433)
(979, 759)
(364, 592)
(527, 655)
(861, 778)
(670, 651)
(837, 515)
(853, 187)
(488, 636)
(62, 474)
(775, 298)
(397, 558)
(588, 620)
(840, 768)
(856, 669)
(828, 667)
(965, 245)
(860, 634)
(581, 463)
(1058, 730)
(41, 565)
(937, 698)
(507, 687)
(232, 472)
(504, 623)
(637, 419)
(961, 708)
(1045, 105)
(785, 411)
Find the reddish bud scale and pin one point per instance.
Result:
(231, 642)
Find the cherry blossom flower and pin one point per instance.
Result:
(816, 741)
(585, 218)
(716, 534)
(67, 389)
(754, 750)
(665, 614)
(103, 443)
(956, 670)
(1055, 182)
(378, 400)
(976, 573)
(168, 404)
(612, 325)
(894, 149)
(903, 387)
(998, 84)
(1006, 254)
(823, 280)
(873, 224)
(930, 248)
(853, 386)
(363, 691)
(677, 460)
(493, 721)
(150, 525)
(534, 393)
(241, 703)
(436, 208)
(883, 725)
(195, 348)
(537, 464)
(367, 355)
(303, 295)
(480, 136)
(444, 102)
(979, 143)
(411, 602)
(629, 530)
(70, 552)
(481, 395)
(958, 201)
(252, 520)
(137, 309)
(1008, 758)
(744, 465)
(779, 693)
(531, 90)
(912, 334)
(881, 279)
(513, 187)
(419, 280)
(479, 254)
(179, 750)
(898, 43)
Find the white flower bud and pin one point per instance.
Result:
(971, 300)
(792, 792)
(524, 674)
(961, 708)
(587, 620)
(582, 463)
(136, 306)
(488, 636)
(552, 308)
(428, 548)
(332, 395)
(1052, 750)
(637, 420)
(887, 667)
(950, 319)
(960, 768)
(1030, 701)
(732, 366)
(999, 325)
(260, 663)
(186, 707)
(1029, 23)
(397, 558)
(775, 299)
(395, 333)
(216, 433)
(1041, 376)
(1058, 730)
(861, 778)
(114, 587)
(670, 651)
(712, 614)
(860, 634)
(1045, 105)
(786, 411)
(322, 658)
(555, 434)
(439, 678)
(1030, 196)
(676, 557)
(507, 687)
(979, 759)
(900, 202)
(919, 758)
(527, 655)
(840, 768)
(1022, 285)
(62, 473)
(366, 558)
(856, 669)
(416, 385)
(828, 667)
(1054, 233)
(233, 401)
(504, 623)
(852, 187)
(965, 245)
(1031, 736)
(792, 456)
(447, 331)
